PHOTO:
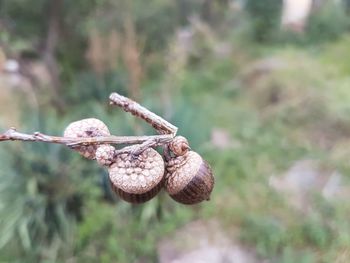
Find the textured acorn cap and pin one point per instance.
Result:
(179, 145)
(137, 179)
(105, 154)
(90, 127)
(189, 178)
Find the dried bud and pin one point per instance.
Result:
(105, 154)
(137, 179)
(86, 128)
(179, 145)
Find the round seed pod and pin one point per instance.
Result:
(90, 127)
(179, 145)
(189, 179)
(105, 155)
(137, 179)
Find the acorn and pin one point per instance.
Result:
(189, 178)
(90, 127)
(137, 179)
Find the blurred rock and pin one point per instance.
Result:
(202, 242)
(222, 49)
(306, 177)
(220, 138)
(11, 65)
(333, 186)
(260, 68)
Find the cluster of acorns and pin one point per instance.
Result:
(138, 178)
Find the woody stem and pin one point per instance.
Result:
(157, 122)
(13, 135)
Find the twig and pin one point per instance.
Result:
(137, 148)
(13, 135)
(128, 105)
(167, 131)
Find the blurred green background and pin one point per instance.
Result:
(260, 88)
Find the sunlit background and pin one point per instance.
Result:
(261, 89)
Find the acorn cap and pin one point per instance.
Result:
(137, 175)
(90, 127)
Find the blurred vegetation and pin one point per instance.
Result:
(280, 96)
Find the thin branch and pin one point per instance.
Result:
(138, 148)
(13, 135)
(128, 105)
(167, 131)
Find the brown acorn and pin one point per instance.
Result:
(90, 127)
(137, 179)
(189, 179)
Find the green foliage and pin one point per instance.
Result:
(264, 17)
(289, 256)
(24, 17)
(328, 23)
(40, 199)
(317, 232)
(267, 233)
